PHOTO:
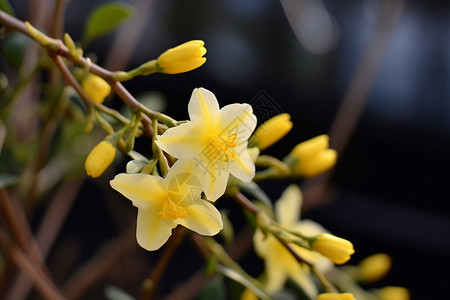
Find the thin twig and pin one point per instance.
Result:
(100, 263)
(150, 285)
(44, 285)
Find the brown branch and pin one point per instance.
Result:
(150, 285)
(44, 285)
(100, 264)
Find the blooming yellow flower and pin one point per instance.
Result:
(272, 130)
(374, 267)
(96, 88)
(338, 250)
(336, 296)
(279, 263)
(100, 157)
(312, 157)
(164, 203)
(393, 293)
(183, 58)
(216, 139)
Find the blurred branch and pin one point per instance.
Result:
(50, 226)
(100, 264)
(317, 190)
(44, 285)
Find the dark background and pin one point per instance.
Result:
(391, 183)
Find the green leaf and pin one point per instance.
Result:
(236, 276)
(255, 191)
(135, 166)
(13, 48)
(215, 289)
(7, 180)
(6, 7)
(105, 19)
(114, 293)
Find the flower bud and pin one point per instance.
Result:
(100, 157)
(393, 293)
(374, 267)
(96, 88)
(338, 250)
(319, 163)
(336, 296)
(183, 58)
(312, 157)
(271, 131)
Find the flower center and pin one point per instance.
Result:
(171, 210)
(221, 147)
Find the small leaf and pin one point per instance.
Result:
(105, 19)
(7, 180)
(13, 48)
(228, 231)
(6, 7)
(236, 276)
(135, 166)
(114, 293)
(255, 191)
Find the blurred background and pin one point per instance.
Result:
(375, 75)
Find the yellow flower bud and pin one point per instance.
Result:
(272, 130)
(336, 296)
(393, 293)
(312, 157)
(319, 163)
(338, 250)
(183, 58)
(96, 88)
(374, 267)
(311, 147)
(100, 157)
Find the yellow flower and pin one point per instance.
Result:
(271, 131)
(312, 157)
(279, 263)
(216, 139)
(164, 203)
(336, 296)
(393, 293)
(96, 88)
(374, 267)
(100, 157)
(338, 250)
(183, 58)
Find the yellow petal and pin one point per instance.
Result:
(152, 231)
(185, 140)
(236, 118)
(216, 180)
(287, 208)
(202, 218)
(242, 165)
(203, 107)
(142, 189)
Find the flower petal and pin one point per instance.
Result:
(152, 231)
(237, 118)
(184, 182)
(202, 218)
(216, 181)
(185, 140)
(276, 276)
(287, 208)
(142, 189)
(242, 165)
(203, 106)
